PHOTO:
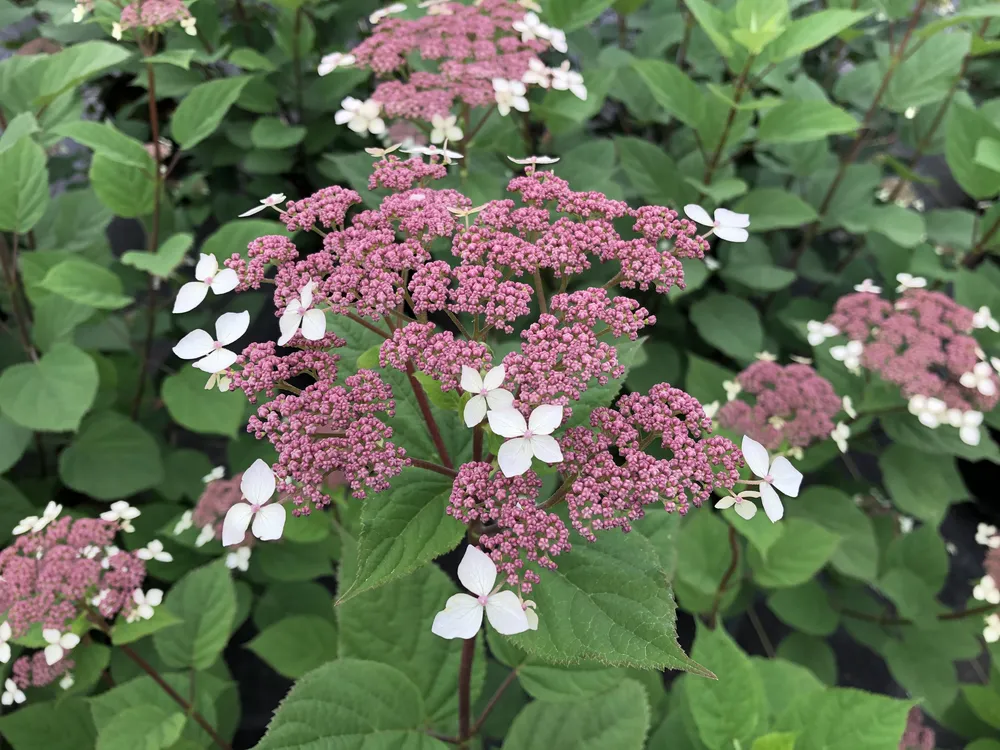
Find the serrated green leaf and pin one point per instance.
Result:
(806, 608)
(205, 601)
(845, 719)
(126, 190)
(142, 728)
(965, 128)
(773, 208)
(180, 58)
(75, 64)
(128, 632)
(672, 89)
(54, 726)
(107, 140)
(297, 644)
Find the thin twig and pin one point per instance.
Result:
(425, 411)
(508, 681)
(740, 89)
(8, 260)
(734, 548)
(882, 620)
(431, 466)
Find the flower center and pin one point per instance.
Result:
(484, 392)
(254, 507)
(482, 599)
(217, 344)
(528, 435)
(768, 479)
(208, 280)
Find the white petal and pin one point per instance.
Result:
(207, 266)
(154, 597)
(196, 344)
(772, 503)
(50, 636)
(477, 572)
(756, 456)
(786, 477)
(217, 361)
(53, 653)
(306, 295)
(288, 324)
(507, 423)
(727, 502)
(190, 296)
(472, 382)
(340, 117)
(970, 435)
(545, 419)
(698, 214)
(376, 126)
(494, 378)
(69, 640)
(500, 399)
(546, 449)
(461, 617)
(732, 234)
(234, 528)
(475, 410)
(727, 218)
(514, 456)
(257, 484)
(314, 325)
(230, 326)
(225, 280)
(505, 613)
(746, 510)
(532, 618)
(269, 522)
(252, 211)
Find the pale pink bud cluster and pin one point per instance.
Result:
(34, 671)
(327, 207)
(272, 249)
(262, 370)
(922, 343)
(151, 14)
(216, 499)
(916, 736)
(439, 354)
(792, 403)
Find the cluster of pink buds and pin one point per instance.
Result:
(151, 15)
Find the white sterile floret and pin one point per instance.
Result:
(564, 79)
(487, 393)
(848, 405)
(239, 560)
(434, 151)
(968, 428)
(206, 535)
(184, 523)
(537, 74)
(215, 474)
(189, 25)
(37, 523)
(257, 487)
(300, 314)
(123, 513)
(210, 352)
(526, 439)
(360, 116)
(778, 474)
(711, 409)
(388, 10)
(840, 435)
(531, 27)
(509, 95)
(529, 612)
(11, 693)
(154, 551)
(849, 353)
(868, 287)
(991, 633)
(905, 524)
(67, 681)
(986, 591)
(983, 318)
(335, 60)
(445, 129)
(380, 152)
(988, 536)
(270, 201)
(732, 388)
(726, 225)
(981, 378)
(5, 635)
(740, 503)
(818, 332)
(80, 11)
(765, 357)
(908, 281)
(58, 644)
(535, 160)
(930, 411)
(208, 277)
(462, 615)
(145, 604)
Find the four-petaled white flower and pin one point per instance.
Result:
(535, 160)
(360, 116)
(849, 353)
(11, 693)
(145, 604)
(557, 38)
(381, 13)
(67, 681)
(818, 332)
(380, 152)
(988, 536)
(564, 79)
(537, 74)
(206, 535)
(215, 474)
(446, 154)
(930, 411)
(37, 523)
(848, 405)
(58, 644)
(727, 225)
(5, 634)
(765, 357)
(184, 523)
(239, 560)
(269, 202)
(334, 60)
(983, 318)
(868, 287)
(981, 378)
(301, 314)
(531, 27)
(986, 591)
(711, 409)
(732, 388)
(123, 513)
(487, 393)
(840, 434)
(211, 353)
(510, 95)
(525, 440)
(462, 615)
(778, 474)
(189, 24)
(991, 633)
(445, 129)
(154, 551)
(908, 281)
(257, 487)
(968, 423)
(740, 503)
(208, 277)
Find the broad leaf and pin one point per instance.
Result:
(52, 394)
(75, 64)
(65, 725)
(86, 283)
(142, 728)
(296, 644)
(24, 189)
(845, 719)
(205, 600)
(796, 556)
(801, 121)
(922, 485)
(965, 128)
(107, 140)
(672, 89)
(773, 208)
(731, 324)
(810, 31)
(165, 260)
(207, 411)
(202, 110)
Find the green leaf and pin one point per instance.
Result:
(988, 154)
(207, 411)
(857, 553)
(730, 324)
(75, 220)
(347, 704)
(403, 528)
(75, 64)
(142, 728)
(65, 725)
(928, 72)
(727, 710)
(812, 653)
(845, 719)
(921, 484)
(806, 608)
(984, 702)
(567, 684)
(672, 89)
(990, 10)
(801, 121)
(775, 741)
(180, 58)
(281, 600)
(711, 21)
(901, 225)
(86, 283)
(291, 562)
(652, 172)
(923, 670)
(14, 441)
(447, 400)
(24, 189)
(784, 681)
(21, 126)
(296, 644)
(764, 278)
(810, 31)
(270, 132)
(611, 603)
(250, 59)
(202, 110)
(110, 458)
(965, 128)
(923, 552)
(798, 554)
(107, 140)
(52, 394)
(234, 236)
(126, 190)
(905, 429)
(570, 15)
(128, 632)
(616, 719)
(205, 600)
(165, 260)
(773, 208)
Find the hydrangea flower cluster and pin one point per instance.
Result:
(922, 342)
(792, 404)
(484, 54)
(151, 15)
